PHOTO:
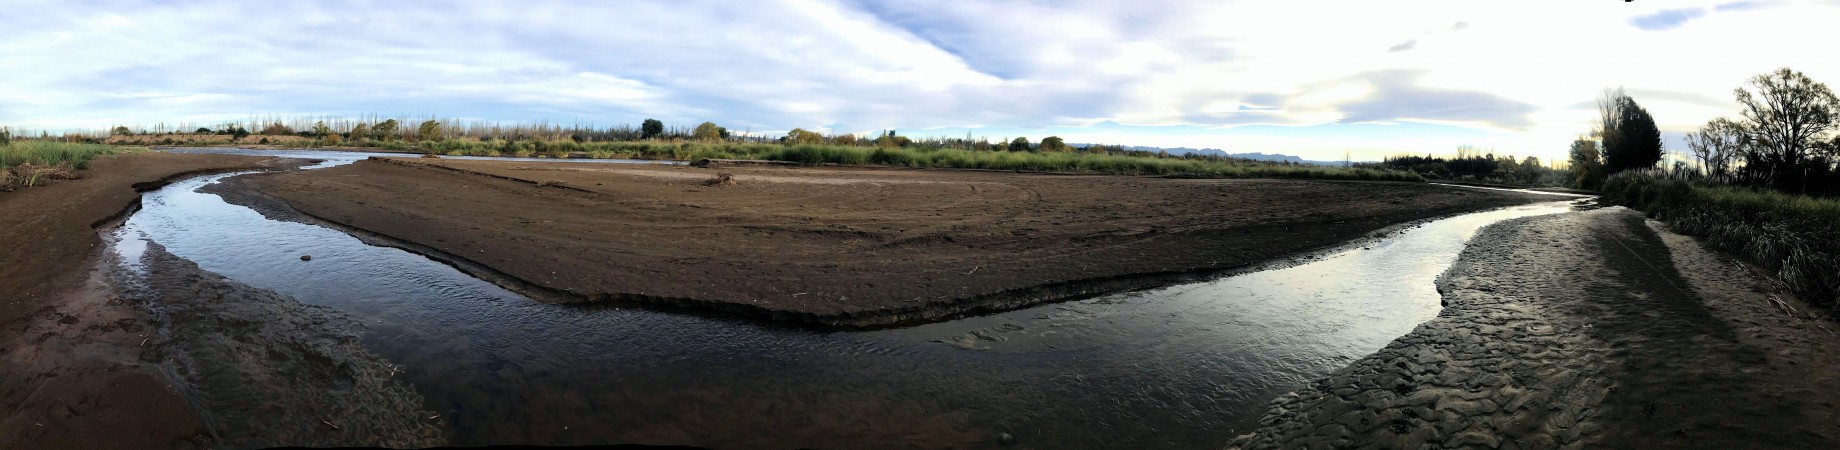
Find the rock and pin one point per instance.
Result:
(1006, 439)
(306, 257)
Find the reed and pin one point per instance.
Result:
(31, 163)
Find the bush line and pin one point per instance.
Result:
(1796, 237)
(813, 154)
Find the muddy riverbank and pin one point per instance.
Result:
(264, 370)
(841, 246)
(73, 374)
(1198, 358)
(1588, 330)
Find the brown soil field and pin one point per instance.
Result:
(1585, 330)
(72, 375)
(838, 246)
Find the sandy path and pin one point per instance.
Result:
(1586, 330)
(840, 246)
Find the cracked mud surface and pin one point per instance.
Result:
(1583, 330)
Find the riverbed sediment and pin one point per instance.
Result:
(264, 370)
(1589, 330)
(841, 246)
(71, 369)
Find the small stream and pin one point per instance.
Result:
(1184, 366)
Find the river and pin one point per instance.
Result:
(1184, 366)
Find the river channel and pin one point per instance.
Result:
(1184, 366)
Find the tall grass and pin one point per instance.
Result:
(1797, 237)
(34, 162)
(52, 153)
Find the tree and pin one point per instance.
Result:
(707, 131)
(1587, 168)
(1631, 139)
(276, 129)
(120, 131)
(1053, 144)
(1785, 114)
(803, 136)
(1020, 144)
(237, 133)
(429, 131)
(359, 132)
(651, 128)
(1717, 145)
(890, 140)
(6, 137)
(385, 130)
(1530, 170)
(320, 129)
(203, 130)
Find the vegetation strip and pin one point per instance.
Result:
(30, 163)
(1796, 237)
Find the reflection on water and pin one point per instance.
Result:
(1177, 367)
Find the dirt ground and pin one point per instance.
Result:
(1588, 330)
(72, 375)
(264, 370)
(840, 246)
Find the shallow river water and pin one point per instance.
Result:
(1184, 366)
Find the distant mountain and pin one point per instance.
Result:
(1256, 156)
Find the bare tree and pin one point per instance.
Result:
(1717, 145)
(1785, 114)
(1608, 112)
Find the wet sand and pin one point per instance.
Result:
(1588, 330)
(837, 246)
(263, 370)
(73, 374)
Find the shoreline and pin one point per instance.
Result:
(1045, 288)
(77, 370)
(1594, 329)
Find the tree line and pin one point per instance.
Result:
(1782, 139)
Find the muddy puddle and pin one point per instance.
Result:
(1184, 366)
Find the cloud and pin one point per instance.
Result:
(1667, 19)
(1695, 98)
(1744, 5)
(1397, 95)
(1222, 72)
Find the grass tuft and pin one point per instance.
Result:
(34, 162)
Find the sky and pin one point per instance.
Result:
(1315, 79)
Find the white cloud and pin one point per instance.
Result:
(1513, 73)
